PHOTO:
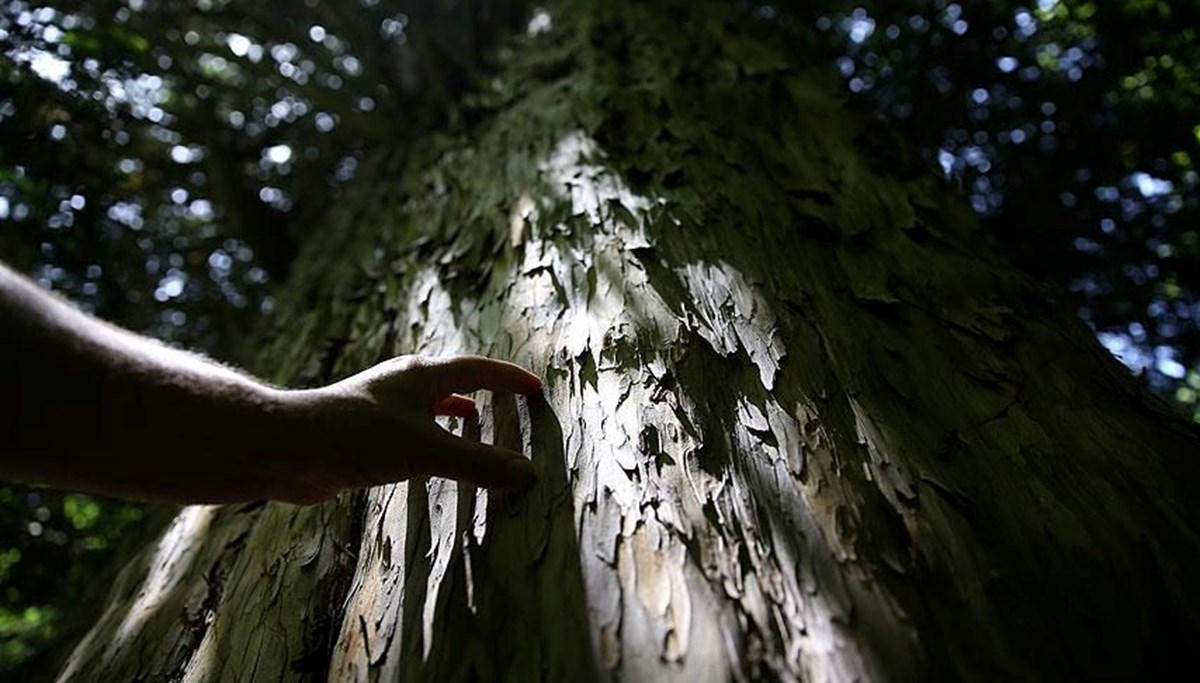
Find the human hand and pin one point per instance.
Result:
(378, 427)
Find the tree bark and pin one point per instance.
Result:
(798, 424)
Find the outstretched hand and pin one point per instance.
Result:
(102, 410)
(378, 427)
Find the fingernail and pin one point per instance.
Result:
(520, 472)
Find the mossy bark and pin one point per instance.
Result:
(798, 423)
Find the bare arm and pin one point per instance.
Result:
(91, 407)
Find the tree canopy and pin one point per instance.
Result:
(160, 161)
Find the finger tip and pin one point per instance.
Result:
(520, 473)
(533, 385)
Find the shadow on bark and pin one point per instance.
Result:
(511, 605)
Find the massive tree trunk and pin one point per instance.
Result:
(798, 423)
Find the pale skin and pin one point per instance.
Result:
(90, 407)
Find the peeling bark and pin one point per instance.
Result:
(798, 423)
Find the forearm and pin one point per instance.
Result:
(88, 401)
(91, 407)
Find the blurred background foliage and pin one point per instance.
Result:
(1072, 129)
(160, 161)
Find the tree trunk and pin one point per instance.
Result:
(798, 423)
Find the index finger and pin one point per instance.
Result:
(464, 374)
(442, 454)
